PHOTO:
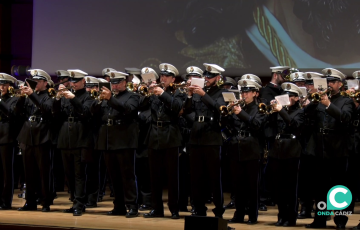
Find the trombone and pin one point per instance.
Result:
(226, 110)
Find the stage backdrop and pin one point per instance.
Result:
(243, 36)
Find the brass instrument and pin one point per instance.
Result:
(144, 90)
(266, 109)
(316, 97)
(220, 82)
(131, 87)
(15, 92)
(355, 95)
(183, 87)
(52, 92)
(226, 110)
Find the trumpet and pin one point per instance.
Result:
(131, 87)
(14, 92)
(226, 110)
(266, 109)
(183, 87)
(316, 97)
(220, 82)
(52, 92)
(144, 90)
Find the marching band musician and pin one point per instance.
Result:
(328, 142)
(63, 77)
(206, 140)
(75, 136)
(118, 138)
(8, 133)
(35, 140)
(246, 150)
(307, 160)
(142, 157)
(284, 157)
(163, 140)
(106, 70)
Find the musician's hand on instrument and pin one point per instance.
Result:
(236, 109)
(306, 102)
(27, 89)
(68, 95)
(277, 107)
(198, 90)
(105, 93)
(325, 100)
(157, 91)
(61, 86)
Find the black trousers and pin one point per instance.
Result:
(93, 178)
(205, 161)
(102, 170)
(6, 174)
(75, 171)
(37, 168)
(284, 186)
(327, 174)
(58, 169)
(306, 182)
(159, 160)
(121, 167)
(245, 175)
(184, 180)
(143, 180)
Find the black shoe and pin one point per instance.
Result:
(175, 215)
(90, 205)
(289, 223)
(315, 225)
(132, 213)
(192, 210)
(357, 227)
(252, 222)
(340, 226)
(71, 210)
(328, 218)
(4, 207)
(230, 205)
(209, 201)
(262, 207)
(153, 214)
(20, 195)
(100, 198)
(27, 207)
(304, 215)
(112, 194)
(78, 212)
(195, 213)
(71, 199)
(236, 220)
(45, 209)
(116, 212)
(280, 222)
(145, 207)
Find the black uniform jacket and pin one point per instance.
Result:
(289, 125)
(207, 107)
(36, 108)
(164, 131)
(267, 94)
(75, 115)
(354, 128)
(119, 128)
(9, 123)
(246, 128)
(330, 131)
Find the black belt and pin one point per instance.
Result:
(35, 119)
(326, 131)
(244, 133)
(72, 119)
(161, 123)
(285, 136)
(111, 122)
(203, 119)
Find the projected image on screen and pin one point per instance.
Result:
(242, 36)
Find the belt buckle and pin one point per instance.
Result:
(324, 131)
(110, 122)
(32, 118)
(242, 134)
(71, 119)
(356, 123)
(277, 136)
(201, 119)
(159, 124)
